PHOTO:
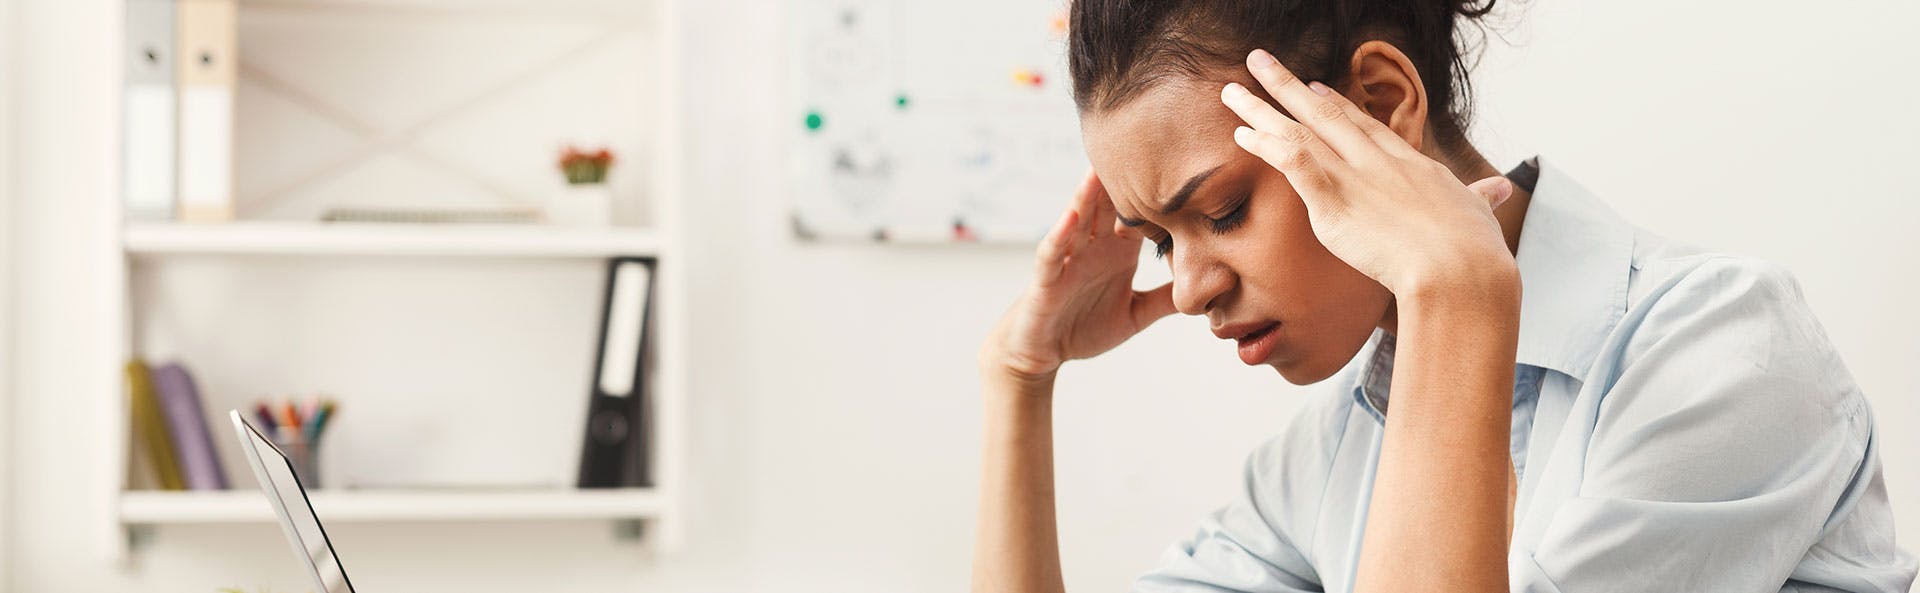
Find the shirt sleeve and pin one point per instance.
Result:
(1731, 448)
(1257, 542)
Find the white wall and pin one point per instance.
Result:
(6, 278)
(1772, 129)
(835, 411)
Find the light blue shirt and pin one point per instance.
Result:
(1680, 423)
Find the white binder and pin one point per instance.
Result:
(208, 68)
(148, 117)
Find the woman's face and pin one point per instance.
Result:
(1238, 240)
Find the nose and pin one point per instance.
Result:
(1197, 281)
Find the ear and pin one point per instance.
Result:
(1382, 81)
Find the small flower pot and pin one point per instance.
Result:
(582, 205)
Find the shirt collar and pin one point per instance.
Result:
(1575, 258)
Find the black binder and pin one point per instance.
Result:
(619, 419)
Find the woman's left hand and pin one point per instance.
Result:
(1374, 200)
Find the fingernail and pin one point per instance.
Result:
(1242, 134)
(1261, 59)
(1232, 89)
(1321, 89)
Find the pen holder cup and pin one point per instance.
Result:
(304, 456)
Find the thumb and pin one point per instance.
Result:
(1495, 189)
(1151, 305)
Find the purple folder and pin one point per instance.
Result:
(187, 425)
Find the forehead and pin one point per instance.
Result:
(1145, 148)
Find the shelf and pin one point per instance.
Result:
(343, 506)
(390, 239)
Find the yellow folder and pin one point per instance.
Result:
(150, 429)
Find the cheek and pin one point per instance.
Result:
(1293, 274)
(1289, 265)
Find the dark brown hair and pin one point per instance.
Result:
(1118, 48)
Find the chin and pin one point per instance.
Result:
(1304, 371)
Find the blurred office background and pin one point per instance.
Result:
(823, 421)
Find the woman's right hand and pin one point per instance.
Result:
(1082, 301)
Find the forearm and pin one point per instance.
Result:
(1016, 545)
(1439, 516)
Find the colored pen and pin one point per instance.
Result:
(291, 420)
(320, 419)
(264, 416)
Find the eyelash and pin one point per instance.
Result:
(1219, 226)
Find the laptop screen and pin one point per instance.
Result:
(283, 489)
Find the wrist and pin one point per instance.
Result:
(1015, 375)
(1001, 361)
(1491, 286)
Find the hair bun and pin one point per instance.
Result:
(1472, 9)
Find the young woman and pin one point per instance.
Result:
(1648, 417)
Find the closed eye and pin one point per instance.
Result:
(1222, 225)
(1233, 219)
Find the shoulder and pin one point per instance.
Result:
(1719, 352)
(1740, 310)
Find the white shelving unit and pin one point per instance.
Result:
(476, 240)
(131, 518)
(352, 506)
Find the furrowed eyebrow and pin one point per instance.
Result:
(1179, 199)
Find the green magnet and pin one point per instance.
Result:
(900, 101)
(814, 121)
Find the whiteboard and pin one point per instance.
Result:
(930, 121)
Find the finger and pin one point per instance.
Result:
(1054, 248)
(1104, 215)
(1305, 167)
(1086, 200)
(1326, 118)
(1257, 112)
(1152, 305)
(1382, 135)
(1495, 189)
(1262, 116)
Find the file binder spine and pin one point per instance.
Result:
(187, 425)
(150, 428)
(618, 431)
(149, 110)
(207, 40)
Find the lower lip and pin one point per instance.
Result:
(1255, 348)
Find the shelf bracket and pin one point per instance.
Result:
(139, 538)
(630, 530)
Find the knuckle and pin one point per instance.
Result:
(1312, 177)
(1296, 134)
(1277, 77)
(1294, 157)
(1328, 111)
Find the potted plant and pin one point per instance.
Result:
(586, 201)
